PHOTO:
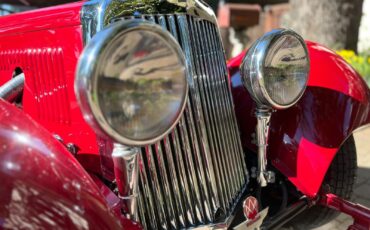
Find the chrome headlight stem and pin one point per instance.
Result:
(126, 172)
(262, 133)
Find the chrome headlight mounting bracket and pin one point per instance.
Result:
(262, 133)
(275, 73)
(126, 173)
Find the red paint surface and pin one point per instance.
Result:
(42, 184)
(46, 45)
(315, 159)
(347, 80)
(359, 213)
(67, 15)
(326, 66)
(115, 205)
(335, 103)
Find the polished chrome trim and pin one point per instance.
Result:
(97, 14)
(203, 172)
(262, 131)
(126, 171)
(12, 88)
(253, 62)
(86, 78)
(195, 176)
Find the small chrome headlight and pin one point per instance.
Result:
(275, 69)
(131, 82)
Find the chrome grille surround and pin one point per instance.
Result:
(195, 175)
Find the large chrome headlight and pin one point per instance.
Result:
(131, 82)
(275, 69)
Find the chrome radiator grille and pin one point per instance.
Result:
(195, 175)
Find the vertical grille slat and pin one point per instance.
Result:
(232, 120)
(176, 193)
(201, 165)
(155, 177)
(188, 196)
(161, 165)
(143, 212)
(147, 189)
(229, 109)
(204, 158)
(224, 108)
(197, 159)
(194, 96)
(209, 119)
(208, 159)
(219, 116)
(193, 170)
(194, 176)
(173, 27)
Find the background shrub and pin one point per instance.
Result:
(360, 62)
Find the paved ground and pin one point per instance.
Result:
(362, 187)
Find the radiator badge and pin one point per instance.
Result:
(252, 214)
(250, 208)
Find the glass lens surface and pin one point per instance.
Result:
(141, 85)
(286, 70)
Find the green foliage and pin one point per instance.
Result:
(361, 62)
(119, 8)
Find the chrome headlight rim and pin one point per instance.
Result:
(255, 58)
(86, 80)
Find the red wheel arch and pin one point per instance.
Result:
(305, 138)
(42, 184)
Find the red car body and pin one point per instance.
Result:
(306, 137)
(46, 44)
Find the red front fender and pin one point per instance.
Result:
(42, 185)
(305, 138)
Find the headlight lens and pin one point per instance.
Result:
(275, 69)
(132, 76)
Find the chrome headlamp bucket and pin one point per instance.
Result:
(275, 69)
(131, 82)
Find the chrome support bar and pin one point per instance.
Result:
(262, 130)
(11, 89)
(126, 172)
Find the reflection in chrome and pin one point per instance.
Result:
(262, 131)
(142, 87)
(275, 72)
(126, 170)
(195, 175)
(275, 69)
(97, 14)
(135, 88)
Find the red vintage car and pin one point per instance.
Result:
(125, 115)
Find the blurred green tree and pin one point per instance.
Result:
(334, 23)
